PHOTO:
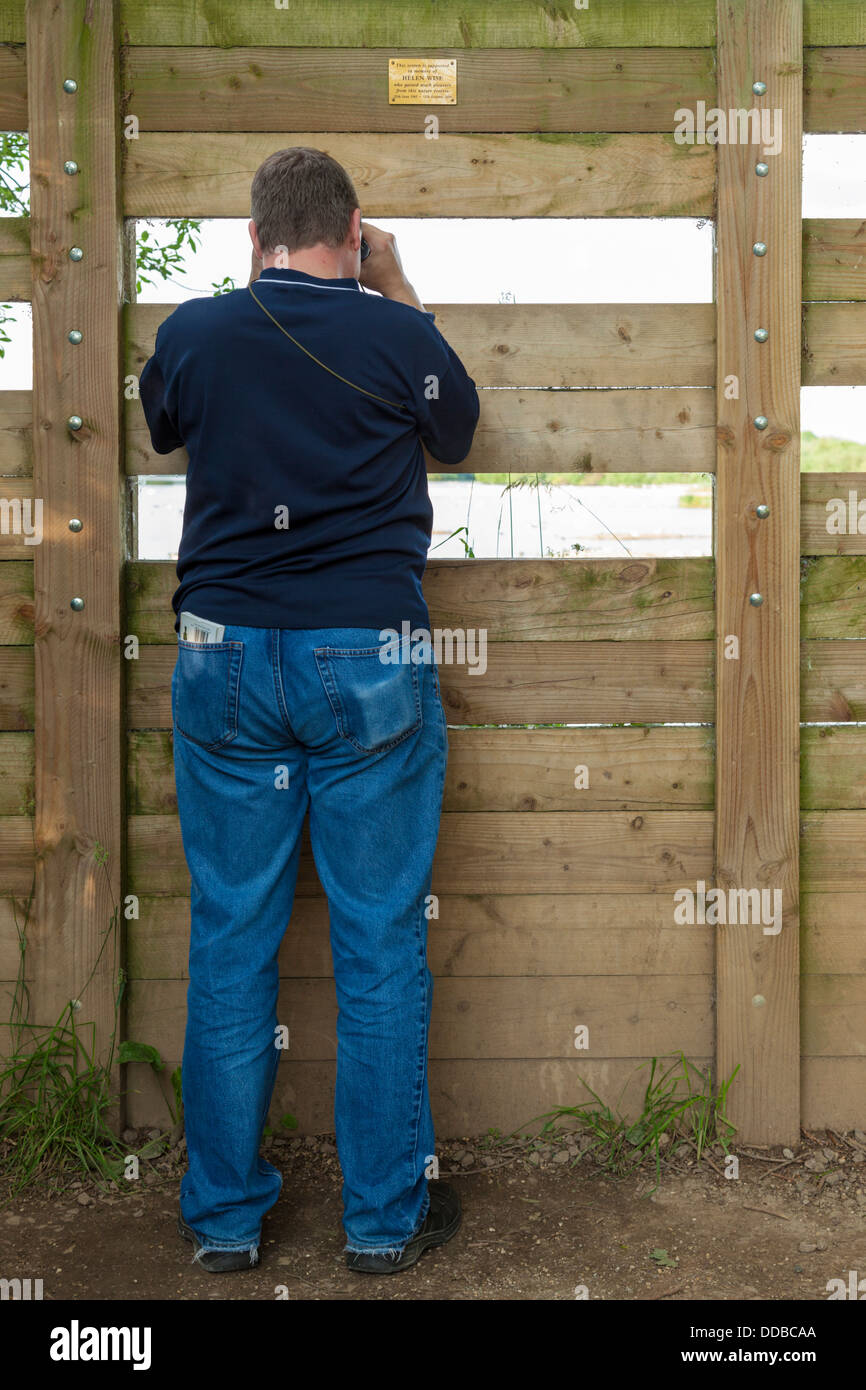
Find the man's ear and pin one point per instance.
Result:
(254, 238)
(355, 230)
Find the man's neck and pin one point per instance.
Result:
(325, 265)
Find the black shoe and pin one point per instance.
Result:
(217, 1261)
(440, 1224)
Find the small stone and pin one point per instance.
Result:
(787, 1153)
(858, 1157)
(830, 1154)
(798, 1269)
(820, 1243)
(860, 1136)
(664, 1139)
(468, 1160)
(154, 1134)
(129, 1136)
(806, 1247)
(815, 1164)
(535, 1159)
(562, 1156)
(83, 1200)
(832, 1178)
(310, 1141)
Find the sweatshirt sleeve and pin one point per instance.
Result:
(159, 404)
(445, 401)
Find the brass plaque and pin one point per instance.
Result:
(422, 81)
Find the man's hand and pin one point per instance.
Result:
(383, 269)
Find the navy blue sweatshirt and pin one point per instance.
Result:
(306, 502)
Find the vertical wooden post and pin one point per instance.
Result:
(78, 474)
(758, 705)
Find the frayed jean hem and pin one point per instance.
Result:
(225, 1250)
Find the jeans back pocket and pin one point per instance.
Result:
(376, 703)
(205, 689)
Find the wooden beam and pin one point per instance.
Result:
(758, 705)
(345, 89)
(78, 708)
(523, 175)
(834, 89)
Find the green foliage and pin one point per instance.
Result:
(56, 1098)
(679, 1102)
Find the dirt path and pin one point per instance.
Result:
(537, 1226)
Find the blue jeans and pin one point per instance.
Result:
(268, 724)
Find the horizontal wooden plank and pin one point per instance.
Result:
(547, 345)
(563, 600)
(525, 683)
(832, 681)
(833, 1016)
(627, 1016)
(13, 924)
(17, 775)
(15, 276)
(470, 1097)
(448, 23)
(467, 1097)
(513, 600)
(16, 596)
(16, 688)
(834, 89)
(17, 855)
(16, 436)
(661, 768)
(480, 934)
(833, 851)
(833, 596)
(832, 1092)
(200, 88)
(832, 940)
(590, 345)
(522, 175)
(833, 767)
(510, 770)
(832, 511)
(531, 683)
(346, 89)
(833, 337)
(595, 431)
(502, 852)
(499, 24)
(834, 251)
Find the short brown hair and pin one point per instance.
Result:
(300, 197)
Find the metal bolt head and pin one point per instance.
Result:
(76, 525)
(70, 167)
(756, 600)
(760, 422)
(77, 604)
(762, 510)
(76, 253)
(75, 422)
(760, 248)
(758, 1000)
(75, 335)
(70, 85)
(761, 335)
(762, 170)
(759, 88)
